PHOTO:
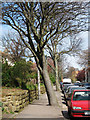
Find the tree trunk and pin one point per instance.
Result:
(57, 77)
(38, 83)
(49, 88)
(61, 72)
(61, 76)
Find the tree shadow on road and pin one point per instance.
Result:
(64, 103)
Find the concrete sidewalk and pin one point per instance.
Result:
(40, 109)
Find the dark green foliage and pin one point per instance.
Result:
(17, 75)
(21, 72)
(1, 105)
(31, 86)
(52, 78)
(7, 73)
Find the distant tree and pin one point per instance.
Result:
(51, 69)
(81, 75)
(52, 78)
(70, 70)
(14, 46)
(50, 65)
(83, 58)
(58, 48)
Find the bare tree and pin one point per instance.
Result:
(57, 48)
(37, 23)
(14, 46)
(83, 58)
(67, 34)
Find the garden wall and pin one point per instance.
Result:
(15, 99)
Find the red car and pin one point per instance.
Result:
(79, 103)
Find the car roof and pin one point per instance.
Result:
(82, 90)
(72, 86)
(78, 88)
(68, 84)
(87, 83)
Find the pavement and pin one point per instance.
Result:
(41, 109)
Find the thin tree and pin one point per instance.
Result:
(72, 46)
(57, 48)
(83, 58)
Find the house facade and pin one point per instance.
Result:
(87, 74)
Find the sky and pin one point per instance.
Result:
(73, 60)
(70, 59)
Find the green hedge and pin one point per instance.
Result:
(17, 75)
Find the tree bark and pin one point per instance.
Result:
(49, 88)
(61, 76)
(57, 77)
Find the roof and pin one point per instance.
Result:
(81, 90)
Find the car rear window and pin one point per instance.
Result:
(66, 83)
(81, 95)
(79, 88)
(87, 84)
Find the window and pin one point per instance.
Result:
(81, 95)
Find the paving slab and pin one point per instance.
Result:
(40, 109)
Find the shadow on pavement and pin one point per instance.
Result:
(64, 103)
(62, 96)
(63, 99)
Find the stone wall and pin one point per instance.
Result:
(15, 100)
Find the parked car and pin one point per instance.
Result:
(71, 89)
(68, 80)
(87, 85)
(79, 103)
(64, 83)
(64, 87)
(82, 84)
(77, 84)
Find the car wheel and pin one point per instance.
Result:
(69, 111)
(71, 118)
